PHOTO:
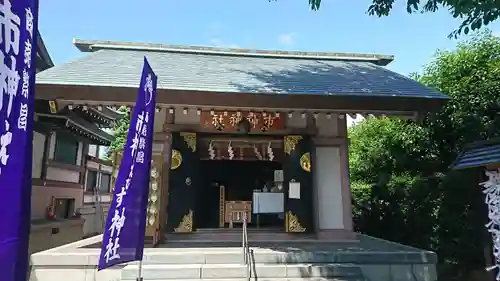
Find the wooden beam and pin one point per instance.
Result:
(242, 139)
(280, 102)
(195, 128)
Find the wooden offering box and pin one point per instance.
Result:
(235, 210)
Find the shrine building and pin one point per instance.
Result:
(67, 174)
(243, 133)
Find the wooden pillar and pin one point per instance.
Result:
(344, 174)
(153, 222)
(164, 186)
(332, 192)
(222, 205)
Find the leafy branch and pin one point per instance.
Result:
(475, 14)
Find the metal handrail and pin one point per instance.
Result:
(246, 249)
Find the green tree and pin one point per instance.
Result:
(120, 133)
(470, 76)
(473, 13)
(383, 146)
(401, 170)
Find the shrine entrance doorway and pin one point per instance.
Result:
(215, 179)
(239, 174)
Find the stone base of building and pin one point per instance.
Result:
(336, 234)
(367, 258)
(47, 234)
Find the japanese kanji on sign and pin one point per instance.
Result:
(18, 31)
(227, 121)
(123, 238)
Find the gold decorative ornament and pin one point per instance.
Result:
(305, 162)
(293, 223)
(290, 143)
(154, 172)
(151, 220)
(188, 181)
(190, 140)
(176, 159)
(153, 198)
(53, 106)
(186, 224)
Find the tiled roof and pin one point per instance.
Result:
(230, 70)
(479, 154)
(66, 119)
(43, 58)
(85, 127)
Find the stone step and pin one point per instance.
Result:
(236, 257)
(236, 236)
(239, 230)
(236, 271)
(269, 279)
(177, 256)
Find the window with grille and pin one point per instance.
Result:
(105, 184)
(91, 181)
(66, 150)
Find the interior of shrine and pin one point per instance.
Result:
(237, 172)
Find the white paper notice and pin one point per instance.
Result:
(268, 202)
(278, 175)
(294, 190)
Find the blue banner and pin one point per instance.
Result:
(18, 31)
(123, 238)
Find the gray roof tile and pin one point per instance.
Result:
(481, 153)
(236, 73)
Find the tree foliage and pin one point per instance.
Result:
(120, 133)
(381, 152)
(403, 189)
(474, 14)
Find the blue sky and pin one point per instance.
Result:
(339, 26)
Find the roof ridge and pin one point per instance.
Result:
(94, 45)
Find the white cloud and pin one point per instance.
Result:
(352, 122)
(287, 38)
(219, 43)
(214, 30)
(216, 42)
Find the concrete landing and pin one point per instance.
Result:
(237, 271)
(369, 259)
(254, 235)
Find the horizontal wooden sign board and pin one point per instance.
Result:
(228, 121)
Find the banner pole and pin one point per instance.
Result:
(123, 240)
(139, 272)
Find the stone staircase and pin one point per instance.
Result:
(218, 256)
(217, 264)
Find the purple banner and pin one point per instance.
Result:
(123, 238)
(18, 31)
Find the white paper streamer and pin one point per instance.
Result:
(257, 152)
(492, 199)
(211, 151)
(270, 152)
(230, 151)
